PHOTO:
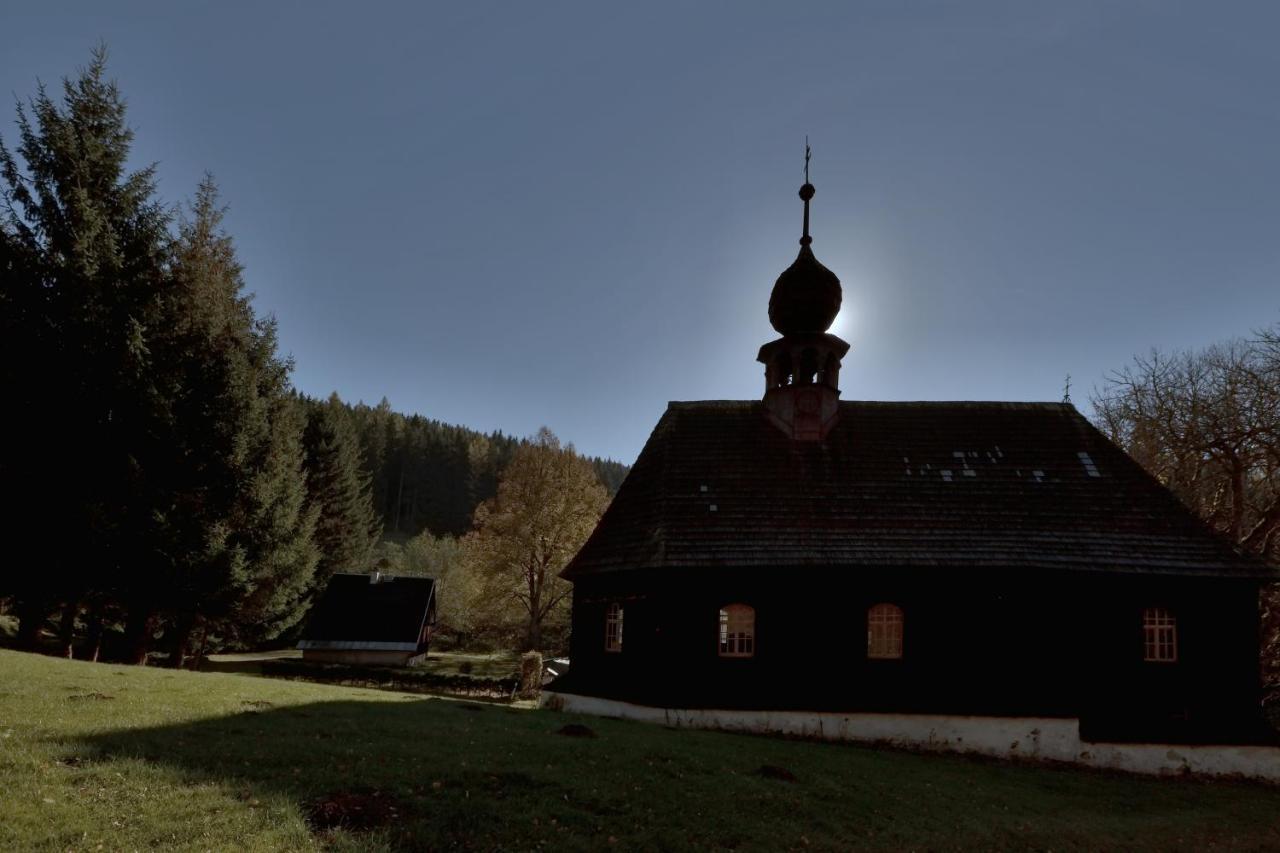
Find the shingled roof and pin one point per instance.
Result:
(357, 612)
(946, 484)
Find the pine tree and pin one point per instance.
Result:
(339, 487)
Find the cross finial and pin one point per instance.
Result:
(806, 159)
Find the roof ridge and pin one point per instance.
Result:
(1012, 404)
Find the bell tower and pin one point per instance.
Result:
(802, 368)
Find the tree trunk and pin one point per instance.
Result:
(93, 635)
(1238, 496)
(137, 633)
(1260, 538)
(533, 637)
(399, 497)
(1269, 599)
(31, 615)
(530, 674)
(178, 640)
(204, 640)
(67, 628)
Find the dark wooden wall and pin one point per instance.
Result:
(1067, 644)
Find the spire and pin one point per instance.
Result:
(806, 297)
(806, 193)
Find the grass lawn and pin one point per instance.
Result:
(479, 664)
(127, 758)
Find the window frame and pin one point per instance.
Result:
(613, 625)
(1159, 635)
(741, 644)
(887, 616)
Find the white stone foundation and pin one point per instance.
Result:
(1042, 738)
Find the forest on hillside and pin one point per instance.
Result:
(429, 475)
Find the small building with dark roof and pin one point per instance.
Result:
(371, 618)
(910, 562)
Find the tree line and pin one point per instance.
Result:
(163, 473)
(428, 475)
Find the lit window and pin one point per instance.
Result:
(1159, 635)
(737, 631)
(613, 628)
(884, 631)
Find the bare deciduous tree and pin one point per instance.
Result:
(1207, 425)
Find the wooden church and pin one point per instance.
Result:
(800, 553)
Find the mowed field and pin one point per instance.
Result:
(96, 756)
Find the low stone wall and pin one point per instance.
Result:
(1043, 738)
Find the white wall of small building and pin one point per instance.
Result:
(1040, 738)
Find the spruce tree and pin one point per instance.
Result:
(339, 487)
(84, 244)
(232, 509)
(272, 593)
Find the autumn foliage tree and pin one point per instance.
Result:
(1207, 424)
(548, 502)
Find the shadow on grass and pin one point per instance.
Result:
(425, 773)
(239, 667)
(430, 773)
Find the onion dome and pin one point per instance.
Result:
(806, 297)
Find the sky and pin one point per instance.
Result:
(568, 214)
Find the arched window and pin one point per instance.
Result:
(613, 628)
(1159, 635)
(884, 631)
(737, 631)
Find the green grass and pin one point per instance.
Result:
(478, 664)
(230, 762)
